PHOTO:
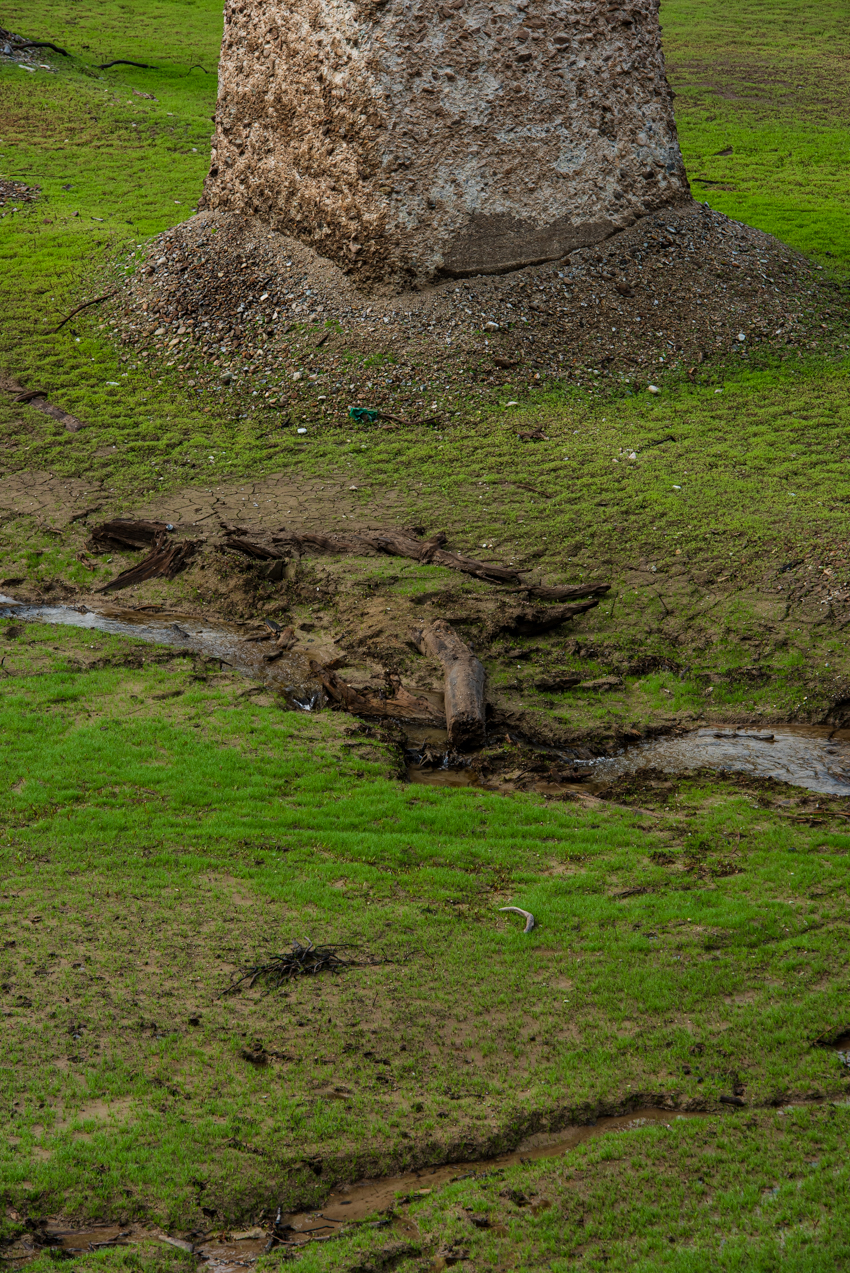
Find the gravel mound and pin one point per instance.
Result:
(677, 290)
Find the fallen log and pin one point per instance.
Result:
(401, 706)
(463, 682)
(258, 551)
(565, 594)
(431, 552)
(394, 544)
(123, 532)
(37, 398)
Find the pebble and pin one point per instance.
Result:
(698, 282)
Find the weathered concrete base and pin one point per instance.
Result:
(407, 141)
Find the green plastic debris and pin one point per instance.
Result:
(363, 415)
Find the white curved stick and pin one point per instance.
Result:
(517, 910)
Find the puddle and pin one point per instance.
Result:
(226, 642)
(813, 756)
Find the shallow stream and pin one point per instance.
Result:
(226, 642)
(811, 756)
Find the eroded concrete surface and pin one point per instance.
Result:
(405, 140)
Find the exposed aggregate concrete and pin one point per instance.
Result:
(407, 141)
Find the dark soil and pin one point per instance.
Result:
(16, 192)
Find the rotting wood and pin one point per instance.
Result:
(258, 551)
(532, 620)
(166, 561)
(392, 543)
(37, 398)
(29, 394)
(123, 532)
(566, 593)
(464, 679)
(401, 706)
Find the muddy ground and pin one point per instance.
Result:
(586, 686)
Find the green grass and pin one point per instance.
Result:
(150, 846)
(770, 81)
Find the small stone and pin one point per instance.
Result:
(491, 327)
(301, 430)
(653, 389)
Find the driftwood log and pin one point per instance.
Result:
(284, 543)
(463, 683)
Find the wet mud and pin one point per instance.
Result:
(813, 757)
(364, 1201)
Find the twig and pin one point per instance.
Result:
(40, 44)
(301, 961)
(408, 424)
(143, 66)
(85, 305)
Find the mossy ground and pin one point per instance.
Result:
(151, 845)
